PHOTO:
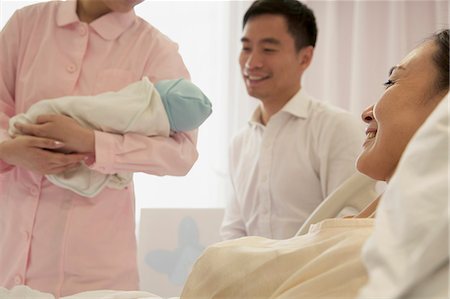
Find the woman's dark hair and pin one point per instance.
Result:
(299, 18)
(441, 59)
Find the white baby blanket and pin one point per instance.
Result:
(136, 108)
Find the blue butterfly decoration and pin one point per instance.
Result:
(177, 263)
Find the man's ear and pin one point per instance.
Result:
(305, 56)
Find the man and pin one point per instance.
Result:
(295, 150)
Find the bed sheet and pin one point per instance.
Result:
(24, 292)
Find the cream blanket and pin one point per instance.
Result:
(324, 263)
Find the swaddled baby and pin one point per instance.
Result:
(140, 108)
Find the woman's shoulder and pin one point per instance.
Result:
(36, 14)
(148, 31)
(39, 9)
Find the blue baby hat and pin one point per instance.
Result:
(186, 105)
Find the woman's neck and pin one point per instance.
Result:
(369, 210)
(88, 10)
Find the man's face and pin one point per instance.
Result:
(270, 64)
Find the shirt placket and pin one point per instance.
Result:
(264, 203)
(268, 193)
(33, 192)
(74, 64)
(72, 69)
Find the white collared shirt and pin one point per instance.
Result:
(282, 171)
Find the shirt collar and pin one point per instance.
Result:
(66, 14)
(297, 106)
(109, 26)
(256, 117)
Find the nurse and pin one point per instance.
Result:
(53, 239)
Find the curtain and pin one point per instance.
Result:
(359, 41)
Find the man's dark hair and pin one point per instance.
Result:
(300, 19)
(441, 59)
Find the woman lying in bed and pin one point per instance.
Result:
(326, 262)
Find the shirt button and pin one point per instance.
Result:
(18, 279)
(264, 178)
(71, 68)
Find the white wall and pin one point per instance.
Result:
(358, 43)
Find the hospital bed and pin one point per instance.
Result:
(419, 270)
(351, 197)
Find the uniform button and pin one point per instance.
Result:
(71, 68)
(34, 191)
(18, 279)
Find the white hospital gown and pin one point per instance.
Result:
(324, 263)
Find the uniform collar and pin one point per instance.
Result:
(109, 26)
(297, 106)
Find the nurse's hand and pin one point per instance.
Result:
(75, 137)
(34, 153)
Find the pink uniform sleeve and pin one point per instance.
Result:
(174, 155)
(9, 45)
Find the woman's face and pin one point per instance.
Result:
(405, 104)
